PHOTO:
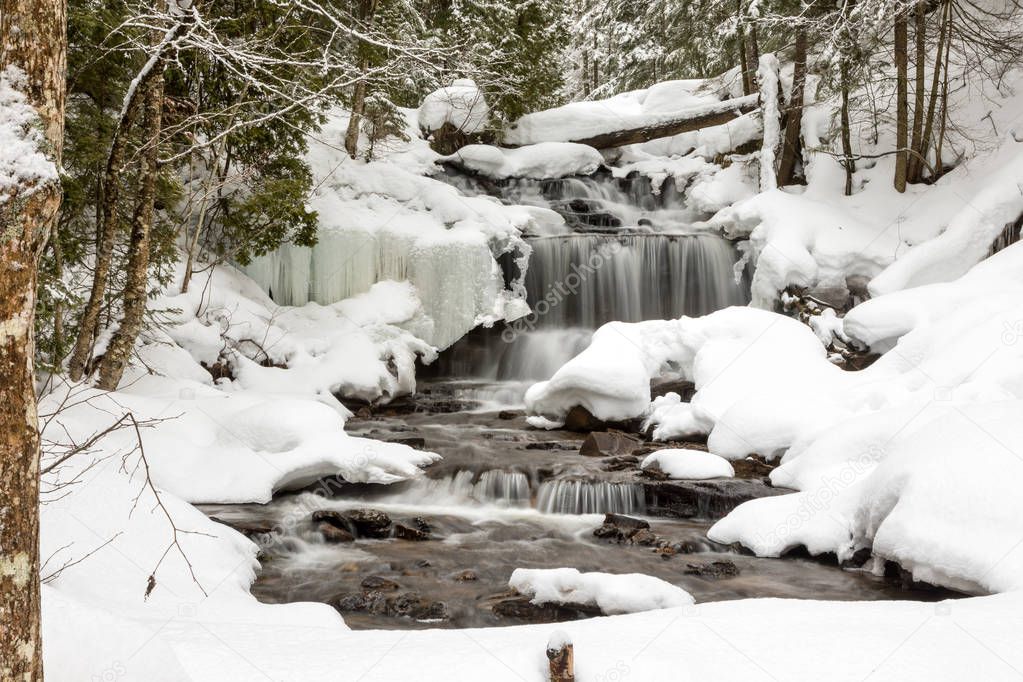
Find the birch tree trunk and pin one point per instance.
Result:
(33, 38)
(136, 289)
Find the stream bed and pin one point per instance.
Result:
(438, 551)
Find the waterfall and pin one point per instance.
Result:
(509, 487)
(577, 282)
(590, 497)
(585, 280)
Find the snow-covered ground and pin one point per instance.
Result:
(915, 458)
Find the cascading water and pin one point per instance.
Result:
(630, 257)
(590, 497)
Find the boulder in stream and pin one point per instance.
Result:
(608, 444)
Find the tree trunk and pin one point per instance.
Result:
(792, 146)
(358, 107)
(367, 8)
(136, 288)
(925, 142)
(902, 102)
(753, 56)
(33, 38)
(108, 228)
(744, 66)
(848, 162)
(915, 168)
(110, 220)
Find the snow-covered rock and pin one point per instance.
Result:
(612, 594)
(685, 464)
(461, 104)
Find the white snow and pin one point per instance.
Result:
(611, 593)
(385, 221)
(539, 161)
(461, 104)
(686, 464)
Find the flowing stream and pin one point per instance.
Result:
(506, 496)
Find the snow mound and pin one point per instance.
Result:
(364, 347)
(685, 464)
(538, 161)
(461, 104)
(612, 594)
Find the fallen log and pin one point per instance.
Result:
(634, 129)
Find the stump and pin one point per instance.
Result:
(561, 657)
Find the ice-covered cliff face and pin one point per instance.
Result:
(386, 220)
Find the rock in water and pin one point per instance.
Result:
(377, 582)
(715, 569)
(333, 534)
(608, 444)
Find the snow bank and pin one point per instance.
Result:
(364, 347)
(612, 594)
(539, 161)
(688, 464)
(461, 104)
(817, 237)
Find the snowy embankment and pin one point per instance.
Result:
(913, 457)
(819, 239)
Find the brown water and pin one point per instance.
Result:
(488, 524)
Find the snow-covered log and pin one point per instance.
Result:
(635, 129)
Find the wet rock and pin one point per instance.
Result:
(519, 607)
(413, 442)
(715, 569)
(412, 605)
(364, 412)
(608, 444)
(685, 389)
(403, 532)
(507, 414)
(364, 523)
(379, 583)
(352, 602)
(404, 605)
(619, 528)
(548, 445)
(703, 499)
(468, 575)
(753, 466)
(333, 534)
(580, 419)
(623, 463)
(370, 523)
(643, 536)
